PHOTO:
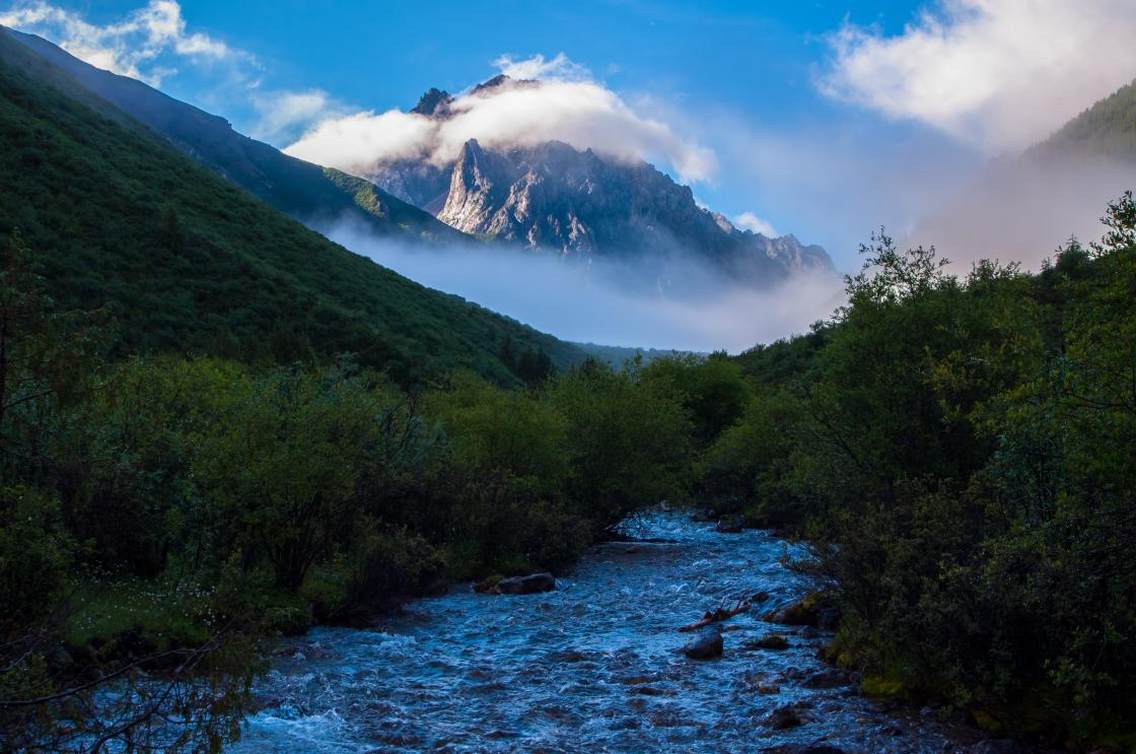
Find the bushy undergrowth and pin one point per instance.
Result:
(963, 453)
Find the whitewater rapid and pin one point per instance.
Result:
(590, 667)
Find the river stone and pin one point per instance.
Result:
(732, 524)
(705, 646)
(784, 718)
(998, 746)
(531, 584)
(826, 679)
(775, 642)
(801, 613)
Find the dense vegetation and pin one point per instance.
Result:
(1107, 129)
(963, 454)
(189, 263)
(164, 514)
(216, 427)
(958, 451)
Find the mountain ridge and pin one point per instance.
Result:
(579, 203)
(192, 263)
(309, 193)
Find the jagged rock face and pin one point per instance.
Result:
(419, 182)
(578, 203)
(554, 197)
(433, 102)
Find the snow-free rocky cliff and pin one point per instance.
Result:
(556, 198)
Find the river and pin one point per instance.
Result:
(590, 667)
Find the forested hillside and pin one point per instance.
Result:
(187, 262)
(1107, 129)
(963, 454)
(306, 192)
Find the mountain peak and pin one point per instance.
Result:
(573, 202)
(494, 83)
(433, 102)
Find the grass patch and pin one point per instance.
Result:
(161, 613)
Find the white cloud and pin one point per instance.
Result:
(564, 107)
(536, 67)
(998, 74)
(750, 221)
(605, 301)
(283, 115)
(139, 46)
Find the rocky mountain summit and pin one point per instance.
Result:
(583, 204)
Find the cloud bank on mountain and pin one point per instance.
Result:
(566, 105)
(605, 301)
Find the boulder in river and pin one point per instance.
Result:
(732, 524)
(705, 646)
(784, 718)
(826, 679)
(998, 746)
(812, 611)
(772, 641)
(531, 584)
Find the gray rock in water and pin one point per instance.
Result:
(999, 746)
(732, 524)
(531, 584)
(705, 646)
(826, 679)
(774, 642)
(784, 718)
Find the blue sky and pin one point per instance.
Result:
(824, 119)
(749, 55)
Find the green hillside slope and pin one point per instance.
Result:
(191, 263)
(1106, 129)
(307, 192)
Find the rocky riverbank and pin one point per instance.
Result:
(598, 664)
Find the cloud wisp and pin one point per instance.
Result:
(750, 221)
(997, 74)
(606, 301)
(146, 44)
(567, 105)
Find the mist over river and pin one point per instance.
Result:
(593, 666)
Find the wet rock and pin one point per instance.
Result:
(668, 718)
(775, 642)
(803, 613)
(488, 584)
(826, 679)
(648, 691)
(784, 718)
(732, 524)
(531, 584)
(759, 597)
(260, 703)
(999, 746)
(705, 646)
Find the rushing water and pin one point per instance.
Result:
(590, 667)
